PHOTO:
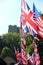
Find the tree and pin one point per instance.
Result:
(11, 39)
(41, 14)
(2, 44)
(7, 52)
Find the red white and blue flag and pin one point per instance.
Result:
(38, 20)
(27, 19)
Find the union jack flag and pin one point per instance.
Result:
(27, 19)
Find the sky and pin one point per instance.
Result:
(10, 11)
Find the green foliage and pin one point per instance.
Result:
(2, 44)
(11, 39)
(8, 42)
(7, 52)
(29, 49)
(41, 14)
(29, 40)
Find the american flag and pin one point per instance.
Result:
(38, 21)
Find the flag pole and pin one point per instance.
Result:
(22, 37)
